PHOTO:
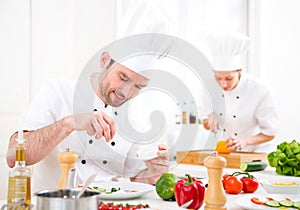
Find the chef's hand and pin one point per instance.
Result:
(96, 124)
(211, 123)
(155, 167)
(236, 144)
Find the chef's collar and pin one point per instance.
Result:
(99, 104)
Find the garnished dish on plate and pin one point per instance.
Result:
(287, 185)
(120, 190)
(272, 201)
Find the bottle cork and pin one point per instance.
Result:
(67, 161)
(215, 197)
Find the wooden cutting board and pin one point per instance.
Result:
(197, 157)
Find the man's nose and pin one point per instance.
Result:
(126, 90)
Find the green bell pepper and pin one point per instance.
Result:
(165, 186)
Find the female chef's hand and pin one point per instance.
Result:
(96, 124)
(236, 144)
(211, 123)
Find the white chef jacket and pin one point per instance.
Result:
(249, 110)
(115, 158)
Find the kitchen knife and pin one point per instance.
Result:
(213, 139)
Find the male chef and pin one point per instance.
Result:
(53, 123)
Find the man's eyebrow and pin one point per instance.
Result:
(141, 85)
(124, 74)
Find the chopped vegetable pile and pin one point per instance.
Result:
(103, 190)
(286, 158)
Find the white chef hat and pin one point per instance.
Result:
(140, 63)
(227, 49)
(145, 16)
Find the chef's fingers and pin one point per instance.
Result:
(97, 128)
(162, 147)
(105, 129)
(111, 124)
(163, 154)
(159, 162)
(90, 129)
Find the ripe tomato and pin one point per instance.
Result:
(233, 185)
(250, 185)
(225, 176)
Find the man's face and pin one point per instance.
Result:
(120, 84)
(228, 80)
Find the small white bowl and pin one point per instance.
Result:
(147, 152)
(271, 187)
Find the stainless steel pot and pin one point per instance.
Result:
(65, 200)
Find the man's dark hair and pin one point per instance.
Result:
(112, 61)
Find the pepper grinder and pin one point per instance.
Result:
(215, 197)
(67, 161)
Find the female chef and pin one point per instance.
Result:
(250, 120)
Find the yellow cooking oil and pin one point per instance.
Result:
(19, 181)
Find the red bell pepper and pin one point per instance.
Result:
(188, 189)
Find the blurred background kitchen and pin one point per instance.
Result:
(43, 39)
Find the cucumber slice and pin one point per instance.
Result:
(286, 203)
(272, 203)
(253, 166)
(297, 204)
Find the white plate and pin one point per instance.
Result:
(141, 189)
(246, 202)
(269, 186)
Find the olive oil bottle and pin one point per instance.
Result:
(19, 188)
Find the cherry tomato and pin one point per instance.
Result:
(250, 185)
(116, 207)
(233, 185)
(225, 176)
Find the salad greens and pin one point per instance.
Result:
(286, 158)
(103, 190)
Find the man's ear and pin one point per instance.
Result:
(104, 59)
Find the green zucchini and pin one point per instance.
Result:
(286, 203)
(297, 204)
(253, 166)
(272, 203)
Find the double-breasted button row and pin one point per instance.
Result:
(83, 162)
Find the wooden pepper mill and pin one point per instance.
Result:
(67, 161)
(215, 197)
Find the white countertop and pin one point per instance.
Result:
(197, 171)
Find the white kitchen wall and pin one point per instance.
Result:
(42, 40)
(279, 33)
(15, 73)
